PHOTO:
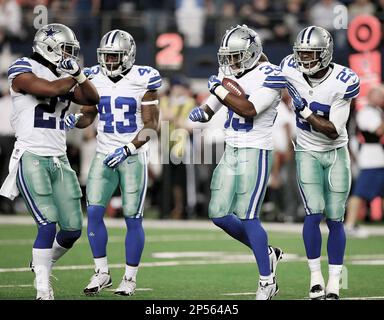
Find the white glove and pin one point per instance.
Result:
(71, 67)
(71, 120)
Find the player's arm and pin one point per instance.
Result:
(149, 116)
(259, 101)
(86, 94)
(87, 116)
(205, 112)
(338, 116)
(30, 83)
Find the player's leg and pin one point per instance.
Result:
(102, 183)
(253, 171)
(34, 183)
(338, 183)
(223, 195)
(67, 195)
(310, 182)
(133, 182)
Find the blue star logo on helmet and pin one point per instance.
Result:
(50, 32)
(250, 38)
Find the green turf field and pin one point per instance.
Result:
(183, 264)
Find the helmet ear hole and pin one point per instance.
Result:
(49, 49)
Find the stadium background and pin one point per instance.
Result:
(181, 39)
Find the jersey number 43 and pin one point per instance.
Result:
(128, 105)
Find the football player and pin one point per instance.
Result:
(240, 180)
(42, 88)
(322, 92)
(128, 106)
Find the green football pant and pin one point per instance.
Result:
(131, 176)
(239, 182)
(324, 180)
(51, 190)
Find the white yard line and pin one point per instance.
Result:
(121, 239)
(16, 286)
(216, 257)
(189, 224)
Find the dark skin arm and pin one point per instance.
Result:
(89, 115)
(28, 82)
(31, 84)
(150, 117)
(323, 125)
(240, 105)
(86, 94)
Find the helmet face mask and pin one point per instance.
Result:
(116, 53)
(240, 50)
(313, 50)
(55, 42)
(70, 50)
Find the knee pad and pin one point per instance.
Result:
(66, 238)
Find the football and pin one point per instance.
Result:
(233, 87)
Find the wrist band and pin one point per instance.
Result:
(221, 92)
(80, 78)
(306, 113)
(145, 103)
(131, 147)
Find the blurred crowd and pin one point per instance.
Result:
(274, 20)
(180, 189)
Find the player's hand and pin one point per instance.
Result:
(71, 120)
(198, 114)
(113, 159)
(69, 66)
(297, 101)
(213, 83)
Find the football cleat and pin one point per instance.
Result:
(317, 292)
(99, 281)
(127, 287)
(267, 291)
(332, 296)
(45, 295)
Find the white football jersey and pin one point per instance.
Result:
(119, 109)
(255, 132)
(38, 121)
(336, 91)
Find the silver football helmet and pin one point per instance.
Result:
(317, 40)
(116, 53)
(56, 41)
(240, 50)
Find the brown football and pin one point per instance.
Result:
(233, 87)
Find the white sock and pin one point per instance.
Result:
(316, 275)
(130, 272)
(101, 264)
(333, 285)
(266, 279)
(57, 251)
(42, 261)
